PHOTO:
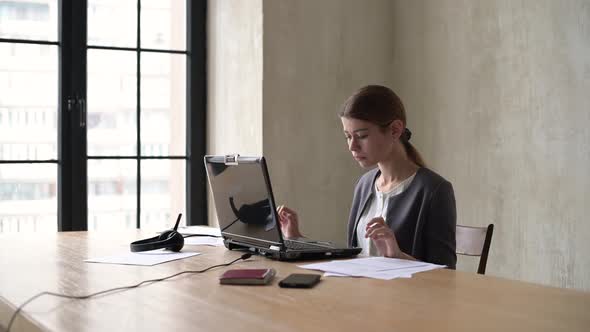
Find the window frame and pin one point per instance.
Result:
(72, 178)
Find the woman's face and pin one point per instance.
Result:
(368, 143)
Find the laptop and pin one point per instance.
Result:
(247, 212)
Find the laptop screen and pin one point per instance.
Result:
(242, 201)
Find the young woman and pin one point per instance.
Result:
(400, 208)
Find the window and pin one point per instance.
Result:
(104, 130)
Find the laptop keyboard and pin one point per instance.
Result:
(299, 245)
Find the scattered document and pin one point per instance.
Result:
(199, 230)
(204, 241)
(332, 274)
(145, 258)
(373, 267)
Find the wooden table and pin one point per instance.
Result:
(440, 300)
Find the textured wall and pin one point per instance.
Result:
(316, 53)
(499, 93)
(234, 52)
(234, 79)
(497, 98)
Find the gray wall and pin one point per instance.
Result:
(234, 76)
(315, 54)
(234, 79)
(496, 93)
(499, 93)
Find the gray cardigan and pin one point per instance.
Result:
(423, 217)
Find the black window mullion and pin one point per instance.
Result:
(72, 172)
(28, 41)
(138, 223)
(136, 157)
(27, 161)
(196, 200)
(134, 49)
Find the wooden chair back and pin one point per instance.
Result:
(475, 241)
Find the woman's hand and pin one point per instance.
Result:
(383, 238)
(289, 222)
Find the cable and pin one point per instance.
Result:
(84, 297)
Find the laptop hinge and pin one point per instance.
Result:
(231, 159)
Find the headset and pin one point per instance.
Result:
(170, 239)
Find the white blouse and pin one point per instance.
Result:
(377, 208)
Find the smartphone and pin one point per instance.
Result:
(300, 280)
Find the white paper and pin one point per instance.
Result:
(199, 230)
(145, 258)
(373, 267)
(204, 241)
(334, 274)
(388, 277)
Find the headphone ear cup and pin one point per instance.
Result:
(177, 241)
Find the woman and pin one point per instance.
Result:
(400, 208)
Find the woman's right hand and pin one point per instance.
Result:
(289, 222)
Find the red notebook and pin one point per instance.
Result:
(247, 276)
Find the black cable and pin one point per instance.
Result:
(84, 297)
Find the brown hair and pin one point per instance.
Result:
(380, 105)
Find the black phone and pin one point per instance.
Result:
(300, 280)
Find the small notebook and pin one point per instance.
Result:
(247, 276)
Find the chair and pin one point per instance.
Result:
(475, 241)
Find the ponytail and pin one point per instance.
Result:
(413, 153)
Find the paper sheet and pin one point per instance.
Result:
(204, 240)
(376, 276)
(373, 267)
(146, 258)
(199, 230)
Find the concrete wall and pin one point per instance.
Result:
(234, 74)
(500, 97)
(316, 53)
(497, 98)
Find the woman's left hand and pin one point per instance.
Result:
(383, 238)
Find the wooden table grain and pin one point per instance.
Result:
(440, 300)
